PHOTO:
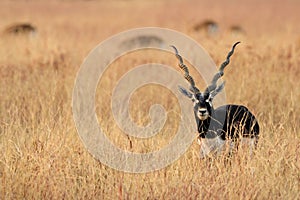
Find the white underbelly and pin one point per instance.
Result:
(216, 146)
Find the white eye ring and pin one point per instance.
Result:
(209, 100)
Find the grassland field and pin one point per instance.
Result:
(42, 156)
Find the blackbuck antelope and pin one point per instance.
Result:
(226, 123)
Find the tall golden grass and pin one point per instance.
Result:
(42, 156)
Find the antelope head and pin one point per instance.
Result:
(203, 100)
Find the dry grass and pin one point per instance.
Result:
(42, 156)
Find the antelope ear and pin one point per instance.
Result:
(185, 92)
(217, 90)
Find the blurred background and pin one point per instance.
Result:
(42, 45)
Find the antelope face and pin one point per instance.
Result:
(202, 103)
(202, 106)
(203, 100)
